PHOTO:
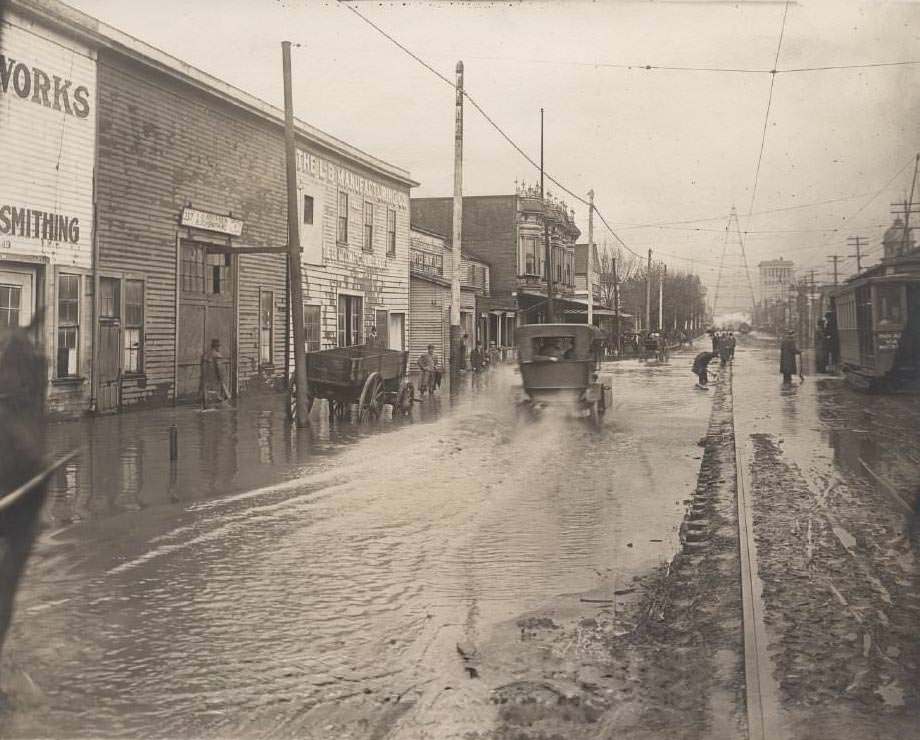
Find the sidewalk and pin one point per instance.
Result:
(833, 483)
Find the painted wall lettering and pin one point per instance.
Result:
(49, 90)
(39, 225)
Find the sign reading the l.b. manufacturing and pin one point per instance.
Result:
(47, 144)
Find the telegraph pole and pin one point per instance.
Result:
(590, 269)
(857, 242)
(648, 292)
(661, 277)
(295, 272)
(457, 235)
(910, 207)
(616, 299)
(550, 314)
(835, 258)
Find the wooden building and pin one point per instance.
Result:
(190, 178)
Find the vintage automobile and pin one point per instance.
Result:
(878, 325)
(559, 366)
(655, 344)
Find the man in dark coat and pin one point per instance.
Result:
(820, 348)
(788, 353)
(700, 365)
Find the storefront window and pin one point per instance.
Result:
(10, 305)
(110, 298)
(68, 325)
(342, 224)
(266, 325)
(192, 268)
(134, 326)
(311, 325)
(350, 313)
(218, 275)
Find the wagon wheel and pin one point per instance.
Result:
(292, 400)
(371, 403)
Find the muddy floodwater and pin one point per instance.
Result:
(332, 583)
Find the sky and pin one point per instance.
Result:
(657, 146)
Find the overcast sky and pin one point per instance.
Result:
(656, 146)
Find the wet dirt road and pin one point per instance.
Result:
(833, 475)
(341, 584)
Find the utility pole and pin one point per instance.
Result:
(857, 242)
(457, 236)
(295, 272)
(835, 258)
(910, 207)
(661, 276)
(648, 292)
(616, 301)
(550, 314)
(590, 268)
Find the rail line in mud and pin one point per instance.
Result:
(760, 688)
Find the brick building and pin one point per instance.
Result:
(507, 232)
(189, 180)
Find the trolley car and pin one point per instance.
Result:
(559, 366)
(878, 325)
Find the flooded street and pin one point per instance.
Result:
(334, 583)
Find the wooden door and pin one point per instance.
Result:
(108, 365)
(381, 319)
(397, 331)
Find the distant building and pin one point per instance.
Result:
(775, 278)
(429, 294)
(507, 232)
(895, 242)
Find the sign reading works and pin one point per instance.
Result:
(47, 146)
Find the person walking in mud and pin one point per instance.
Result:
(212, 379)
(788, 355)
(725, 349)
(700, 369)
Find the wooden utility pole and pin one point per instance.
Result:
(857, 242)
(550, 313)
(910, 207)
(648, 292)
(616, 301)
(293, 212)
(456, 350)
(661, 276)
(590, 267)
(835, 258)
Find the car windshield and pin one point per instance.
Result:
(555, 348)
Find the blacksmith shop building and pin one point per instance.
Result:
(189, 184)
(506, 231)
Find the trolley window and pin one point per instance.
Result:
(889, 305)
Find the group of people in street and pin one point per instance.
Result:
(723, 347)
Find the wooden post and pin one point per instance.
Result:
(456, 247)
(550, 313)
(590, 264)
(293, 212)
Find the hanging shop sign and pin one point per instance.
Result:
(211, 222)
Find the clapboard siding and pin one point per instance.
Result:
(161, 147)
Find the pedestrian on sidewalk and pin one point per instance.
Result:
(700, 367)
(731, 345)
(725, 349)
(476, 358)
(464, 350)
(788, 353)
(430, 378)
(212, 377)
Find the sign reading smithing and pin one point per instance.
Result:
(47, 116)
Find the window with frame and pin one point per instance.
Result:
(531, 255)
(266, 326)
(308, 210)
(312, 316)
(350, 324)
(68, 334)
(10, 305)
(134, 327)
(109, 298)
(218, 275)
(391, 232)
(191, 268)
(368, 226)
(889, 304)
(342, 223)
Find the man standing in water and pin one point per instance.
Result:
(788, 353)
(700, 366)
(212, 379)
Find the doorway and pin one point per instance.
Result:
(206, 301)
(397, 332)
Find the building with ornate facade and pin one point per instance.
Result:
(507, 232)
